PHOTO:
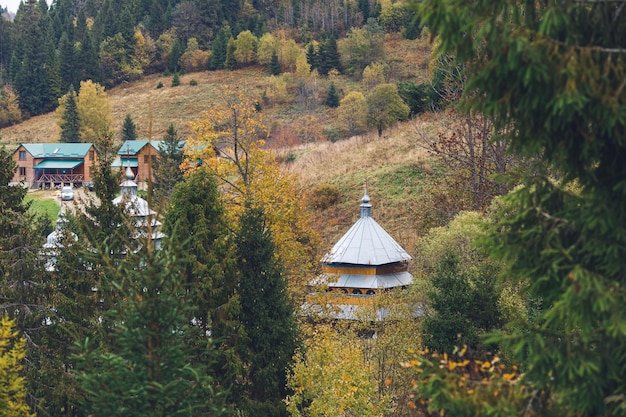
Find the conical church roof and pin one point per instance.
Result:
(366, 243)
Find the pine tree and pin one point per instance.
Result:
(129, 129)
(67, 63)
(311, 56)
(70, 125)
(196, 217)
(145, 364)
(230, 62)
(218, 49)
(175, 80)
(332, 97)
(266, 315)
(167, 171)
(328, 55)
(274, 65)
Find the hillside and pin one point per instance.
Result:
(394, 167)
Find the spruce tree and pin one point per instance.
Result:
(311, 56)
(332, 97)
(274, 64)
(144, 367)
(196, 217)
(129, 129)
(167, 171)
(67, 63)
(218, 49)
(266, 315)
(230, 62)
(328, 55)
(70, 126)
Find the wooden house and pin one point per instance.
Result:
(53, 165)
(140, 156)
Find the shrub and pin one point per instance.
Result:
(175, 80)
(323, 196)
(193, 82)
(159, 85)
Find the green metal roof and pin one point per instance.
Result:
(57, 150)
(58, 164)
(131, 147)
(125, 162)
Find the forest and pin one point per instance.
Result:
(517, 191)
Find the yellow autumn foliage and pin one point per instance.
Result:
(230, 141)
(12, 389)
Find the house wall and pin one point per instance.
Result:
(143, 165)
(91, 159)
(28, 164)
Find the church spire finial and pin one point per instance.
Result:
(366, 207)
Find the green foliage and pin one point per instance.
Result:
(419, 97)
(159, 85)
(193, 82)
(463, 289)
(323, 196)
(274, 64)
(266, 315)
(534, 68)
(332, 97)
(145, 367)
(175, 80)
(70, 121)
(328, 56)
(385, 107)
(196, 217)
(361, 47)
(231, 61)
(129, 129)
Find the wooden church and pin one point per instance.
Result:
(363, 263)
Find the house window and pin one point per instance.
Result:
(91, 155)
(22, 155)
(145, 158)
(22, 171)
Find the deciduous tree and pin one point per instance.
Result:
(352, 112)
(385, 107)
(94, 112)
(12, 386)
(230, 142)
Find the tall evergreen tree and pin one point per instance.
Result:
(266, 315)
(196, 217)
(311, 56)
(332, 97)
(167, 172)
(219, 49)
(89, 66)
(177, 51)
(145, 367)
(328, 55)
(70, 125)
(67, 63)
(231, 61)
(129, 129)
(30, 63)
(274, 64)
